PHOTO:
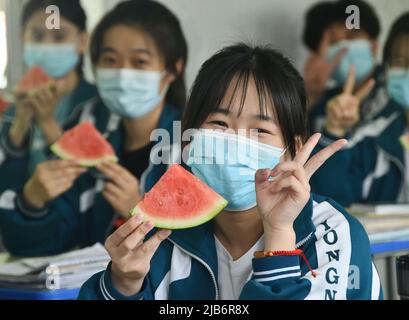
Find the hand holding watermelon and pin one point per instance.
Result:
(51, 179)
(281, 200)
(122, 189)
(130, 255)
(35, 95)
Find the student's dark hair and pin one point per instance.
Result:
(324, 14)
(69, 9)
(317, 19)
(164, 28)
(399, 28)
(277, 82)
(369, 20)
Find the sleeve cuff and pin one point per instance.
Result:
(271, 269)
(8, 147)
(29, 211)
(109, 292)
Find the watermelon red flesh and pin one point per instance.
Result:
(35, 78)
(85, 144)
(179, 200)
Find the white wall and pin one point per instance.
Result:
(212, 24)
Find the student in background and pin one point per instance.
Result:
(259, 91)
(396, 63)
(37, 120)
(371, 166)
(324, 26)
(336, 49)
(138, 52)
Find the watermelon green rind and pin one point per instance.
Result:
(184, 223)
(82, 162)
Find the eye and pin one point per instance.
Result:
(60, 36)
(261, 131)
(139, 63)
(219, 123)
(38, 35)
(108, 60)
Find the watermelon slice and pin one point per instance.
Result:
(86, 144)
(179, 200)
(34, 79)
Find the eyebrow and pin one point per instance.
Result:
(261, 117)
(136, 50)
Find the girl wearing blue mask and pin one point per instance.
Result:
(274, 240)
(39, 119)
(138, 52)
(372, 166)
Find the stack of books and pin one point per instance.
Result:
(383, 222)
(65, 271)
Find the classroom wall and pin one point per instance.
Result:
(212, 24)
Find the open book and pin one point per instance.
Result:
(64, 271)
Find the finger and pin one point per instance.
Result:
(261, 179)
(363, 92)
(293, 168)
(149, 247)
(70, 171)
(63, 187)
(324, 44)
(305, 152)
(123, 232)
(61, 164)
(115, 170)
(135, 238)
(114, 189)
(54, 183)
(350, 83)
(290, 182)
(337, 59)
(320, 157)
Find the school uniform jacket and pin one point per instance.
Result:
(14, 162)
(335, 244)
(81, 216)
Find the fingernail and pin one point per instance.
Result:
(137, 218)
(164, 233)
(149, 225)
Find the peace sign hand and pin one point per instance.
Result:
(343, 111)
(280, 201)
(318, 70)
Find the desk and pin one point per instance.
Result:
(15, 294)
(384, 255)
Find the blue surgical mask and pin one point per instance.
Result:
(359, 54)
(130, 93)
(228, 163)
(397, 83)
(57, 60)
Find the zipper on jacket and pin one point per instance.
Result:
(203, 263)
(304, 241)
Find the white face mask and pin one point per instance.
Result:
(228, 163)
(57, 60)
(130, 93)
